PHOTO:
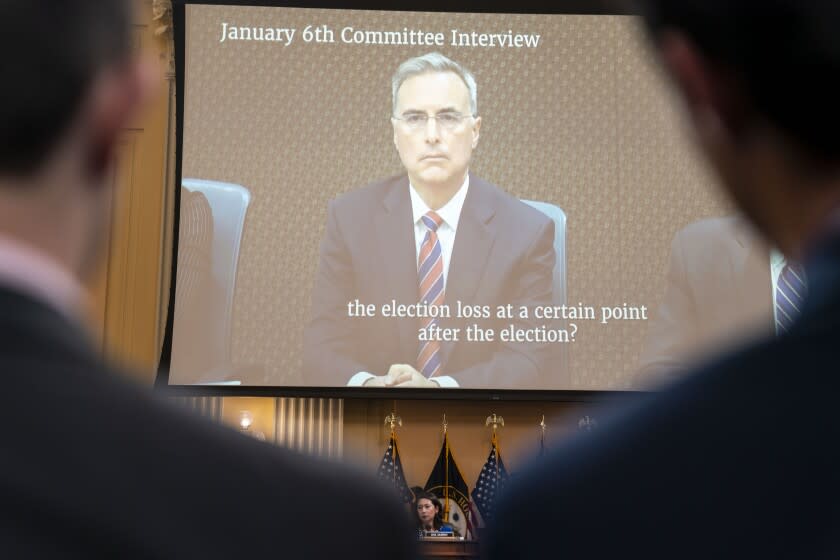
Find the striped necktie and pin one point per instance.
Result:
(790, 293)
(430, 274)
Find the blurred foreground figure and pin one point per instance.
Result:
(90, 466)
(739, 459)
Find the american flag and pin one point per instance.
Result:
(391, 471)
(490, 481)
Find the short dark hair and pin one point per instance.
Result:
(786, 53)
(52, 50)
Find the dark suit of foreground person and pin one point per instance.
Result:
(740, 459)
(90, 466)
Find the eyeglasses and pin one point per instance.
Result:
(418, 121)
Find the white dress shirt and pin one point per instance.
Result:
(450, 213)
(777, 264)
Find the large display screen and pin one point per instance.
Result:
(408, 199)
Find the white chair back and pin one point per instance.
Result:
(229, 203)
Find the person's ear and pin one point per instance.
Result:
(475, 132)
(116, 97)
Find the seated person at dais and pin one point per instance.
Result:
(429, 518)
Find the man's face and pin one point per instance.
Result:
(435, 151)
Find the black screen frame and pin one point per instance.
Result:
(569, 7)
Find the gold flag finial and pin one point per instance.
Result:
(587, 424)
(495, 421)
(392, 420)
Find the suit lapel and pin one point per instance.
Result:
(473, 242)
(751, 273)
(397, 252)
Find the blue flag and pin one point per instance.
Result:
(447, 483)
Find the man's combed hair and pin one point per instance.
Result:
(433, 62)
(785, 52)
(52, 50)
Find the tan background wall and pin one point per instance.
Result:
(421, 436)
(130, 292)
(262, 410)
(365, 435)
(583, 121)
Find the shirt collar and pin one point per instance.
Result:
(33, 272)
(450, 212)
(777, 259)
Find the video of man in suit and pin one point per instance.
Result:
(401, 199)
(724, 284)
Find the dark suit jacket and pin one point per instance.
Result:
(503, 254)
(718, 291)
(737, 460)
(93, 467)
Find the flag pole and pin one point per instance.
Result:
(392, 420)
(445, 472)
(495, 421)
(543, 425)
(542, 431)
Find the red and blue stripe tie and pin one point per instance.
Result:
(790, 293)
(430, 274)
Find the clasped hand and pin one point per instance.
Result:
(401, 375)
